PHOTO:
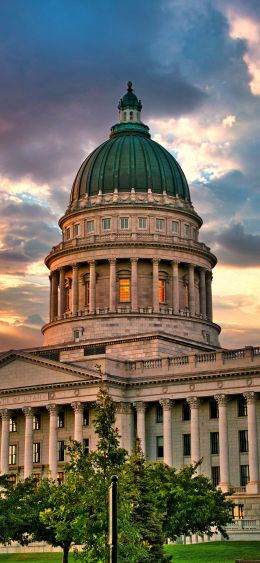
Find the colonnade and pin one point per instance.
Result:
(58, 289)
(125, 425)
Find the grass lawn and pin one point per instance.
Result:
(33, 557)
(220, 552)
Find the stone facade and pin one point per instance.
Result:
(130, 290)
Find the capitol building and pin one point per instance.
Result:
(131, 292)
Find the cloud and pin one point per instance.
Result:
(235, 247)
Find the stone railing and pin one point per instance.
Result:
(242, 524)
(194, 362)
(127, 310)
(135, 237)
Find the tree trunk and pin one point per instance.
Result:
(66, 548)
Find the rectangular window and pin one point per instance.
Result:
(67, 233)
(106, 223)
(186, 444)
(185, 411)
(142, 223)
(90, 226)
(160, 224)
(37, 422)
(36, 452)
(243, 441)
(159, 446)
(215, 475)
(86, 417)
(242, 406)
(159, 413)
(244, 475)
(162, 291)
(13, 424)
(187, 231)
(214, 442)
(175, 227)
(213, 408)
(124, 290)
(13, 454)
(86, 446)
(77, 230)
(124, 222)
(61, 449)
(238, 512)
(60, 420)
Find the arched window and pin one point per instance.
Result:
(131, 115)
(162, 291)
(124, 115)
(124, 290)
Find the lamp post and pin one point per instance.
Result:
(113, 520)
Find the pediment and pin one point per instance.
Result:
(19, 370)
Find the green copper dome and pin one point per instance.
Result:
(130, 159)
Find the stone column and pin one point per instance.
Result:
(175, 281)
(253, 485)
(53, 440)
(209, 295)
(54, 295)
(203, 308)
(62, 292)
(75, 289)
(191, 291)
(28, 443)
(222, 401)
(167, 430)
(140, 409)
(156, 285)
(112, 285)
(50, 309)
(4, 413)
(134, 285)
(92, 286)
(194, 403)
(78, 421)
(124, 423)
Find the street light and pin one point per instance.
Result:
(113, 520)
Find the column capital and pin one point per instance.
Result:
(111, 260)
(221, 399)
(166, 404)
(134, 260)
(52, 408)
(250, 396)
(191, 266)
(77, 406)
(202, 270)
(194, 402)
(140, 406)
(75, 266)
(123, 408)
(5, 414)
(92, 262)
(28, 411)
(156, 260)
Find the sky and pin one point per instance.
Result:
(64, 65)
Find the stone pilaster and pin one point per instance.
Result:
(78, 421)
(54, 295)
(125, 425)
(156, 285)
(134, 284)
(203, 308)
(175, 280)
(194, 403)
(209, 295)
(92, 286)
(28, 442)
(50, 305)
(191, 290)
(167, 430)
(253, 485)
(112, 285)
(62, 292)
(222, 401)
(4, 413)
(53, 411)
(75, 289)
(140, 409)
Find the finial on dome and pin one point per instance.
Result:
(129, 86)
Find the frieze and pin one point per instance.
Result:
(24, 399)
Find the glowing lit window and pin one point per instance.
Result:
(13, 454)
(87, 293)
(106, 224)
(124, 290)
(36, 422)
(175, 227)
(124, 222)
(159, 224)
(90, 226)
(162, 291)
(13, 424)
(36, 452)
